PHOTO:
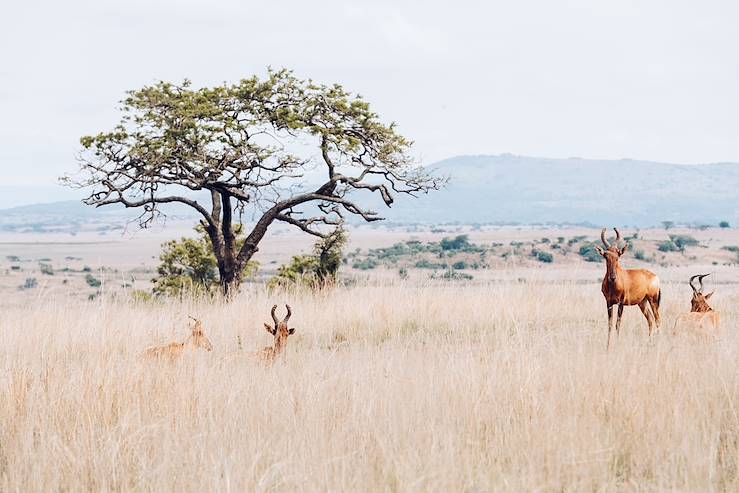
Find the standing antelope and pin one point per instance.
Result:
(197, 339)
(280, 333)
(700, 310)
(627, 286)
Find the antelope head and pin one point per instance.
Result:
(699, 302)
(198, 338)
(280, 330)
(612, 253)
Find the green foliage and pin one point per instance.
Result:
(189, 265)
(677, 243)
(724, 224)
(425, 264)
(460, 242)
(92, 281)
(318, 270)
(461, 265)
(13, 258)
(46, 269)
(588, 252)
(541, 256)
(451, 275)
(639, 255)
(30, 283)
(667, 246)
(668, 224)
(365, 264)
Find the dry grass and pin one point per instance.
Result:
(411, 388)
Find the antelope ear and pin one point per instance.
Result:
(624, 248)
(710, 294)
(600, 251)
(292, 331)
(269, 329)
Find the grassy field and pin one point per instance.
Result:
(395, 386)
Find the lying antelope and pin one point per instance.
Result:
(197, 339)
(280, 333)
(700, 311)
(626, 287)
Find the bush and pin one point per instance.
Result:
(639, 255)
(682, 241)
(321, 268)
(92, 281)
(454, 276)
(724, 224)
(589, 253)
(460, 242)
(460, 265)
(46, 269)
(667, 246)
(366, 264)
(189, 264)
(425, 264)
(30, 283)
(545, 257)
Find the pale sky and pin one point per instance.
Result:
(655, 80)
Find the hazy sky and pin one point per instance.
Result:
(654, 80)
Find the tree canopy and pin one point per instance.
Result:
(249, 150)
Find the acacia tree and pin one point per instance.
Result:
(253, 147)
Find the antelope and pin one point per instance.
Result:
(197, 339)
(626, 287)
(700, 310)
(280, 333)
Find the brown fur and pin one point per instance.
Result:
(701, 314)
(626, 287)
(173, 350)
(280, 333)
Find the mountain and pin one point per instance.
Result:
(503, 189)
(518, 189)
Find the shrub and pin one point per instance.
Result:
(460, 242)
(30, 283)
(189, 264)
(682, 241)
(459, 265)
(724, 224)
(454, 276)
(92, 281)
(545, 257)
(13, 258)
(589, 253)
(667, 246)
(46, 269)
(321, 268)
(365, 264)
(425, 264)
(639, 255)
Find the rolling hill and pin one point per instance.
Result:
(508, 189)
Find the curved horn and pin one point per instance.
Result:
(618, 235)
(287, 317)
(691, 283)
(274, 315)
(603, 238)
(700, 280)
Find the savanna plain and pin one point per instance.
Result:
(499, 383)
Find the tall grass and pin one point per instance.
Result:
(402, 387)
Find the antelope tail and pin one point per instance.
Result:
(659, 297)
